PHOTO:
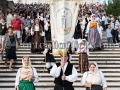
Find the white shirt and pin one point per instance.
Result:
(116, 25)
(100, 29)
(36, 28)
(38, 15)
(84, 22)
(17, 80)
(103, 18)
(41, 18)
(55, 72)
(85, 48)
(75, 43)
(86, 74)
(98, 19)
(8, 19)
(46, 25)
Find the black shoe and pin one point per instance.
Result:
(48, 70)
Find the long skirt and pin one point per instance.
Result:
(95, 87)
(11, 53)
(36, 40)
(26, 85)
(94, 38)
(83, 60)
(57, 87)
(50, 58)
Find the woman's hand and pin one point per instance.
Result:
(89, 85)
(31, 77)
(17, 88)
(105, 88)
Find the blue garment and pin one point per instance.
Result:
(28, 22)
(108, 33)
(110, 40)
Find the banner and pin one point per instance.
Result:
(64, 15)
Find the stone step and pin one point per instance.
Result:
(95, 52)
(39, 66)
(105, 70)
(51, 84)
(6, 74)
(73, 61)
(106, 49)
(51, 79)
(49, 88)
(91, 55)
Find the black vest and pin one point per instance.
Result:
(86, 23)
(68, 72)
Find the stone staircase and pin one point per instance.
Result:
(107, 59)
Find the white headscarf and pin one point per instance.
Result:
(96, 68)
(23, 65)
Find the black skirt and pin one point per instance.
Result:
(11, 53)
(95, 87)
(57, 87)
(50, 58)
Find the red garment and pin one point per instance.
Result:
(16, 23)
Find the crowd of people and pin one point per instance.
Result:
(31, 24)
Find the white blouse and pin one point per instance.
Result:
(83, 48)
(55, 72)
(36, 28)
(18, 75)
(100, 29)
(46, 25)
(97, 79)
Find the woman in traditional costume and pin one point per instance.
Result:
(36, 32)
(93, 34)
(83, 51)
(26, 76)
(94, 78)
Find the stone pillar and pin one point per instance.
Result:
(3, 6)
(10, 4)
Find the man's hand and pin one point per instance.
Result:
(32, 33)
(63, 77)
(62, 64)
(48, 25)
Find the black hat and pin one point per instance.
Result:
(89, 13)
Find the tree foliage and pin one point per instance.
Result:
(113, 7)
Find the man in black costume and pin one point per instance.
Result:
(64, 73)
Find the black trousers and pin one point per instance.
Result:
(57, 87)
(115, 36)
